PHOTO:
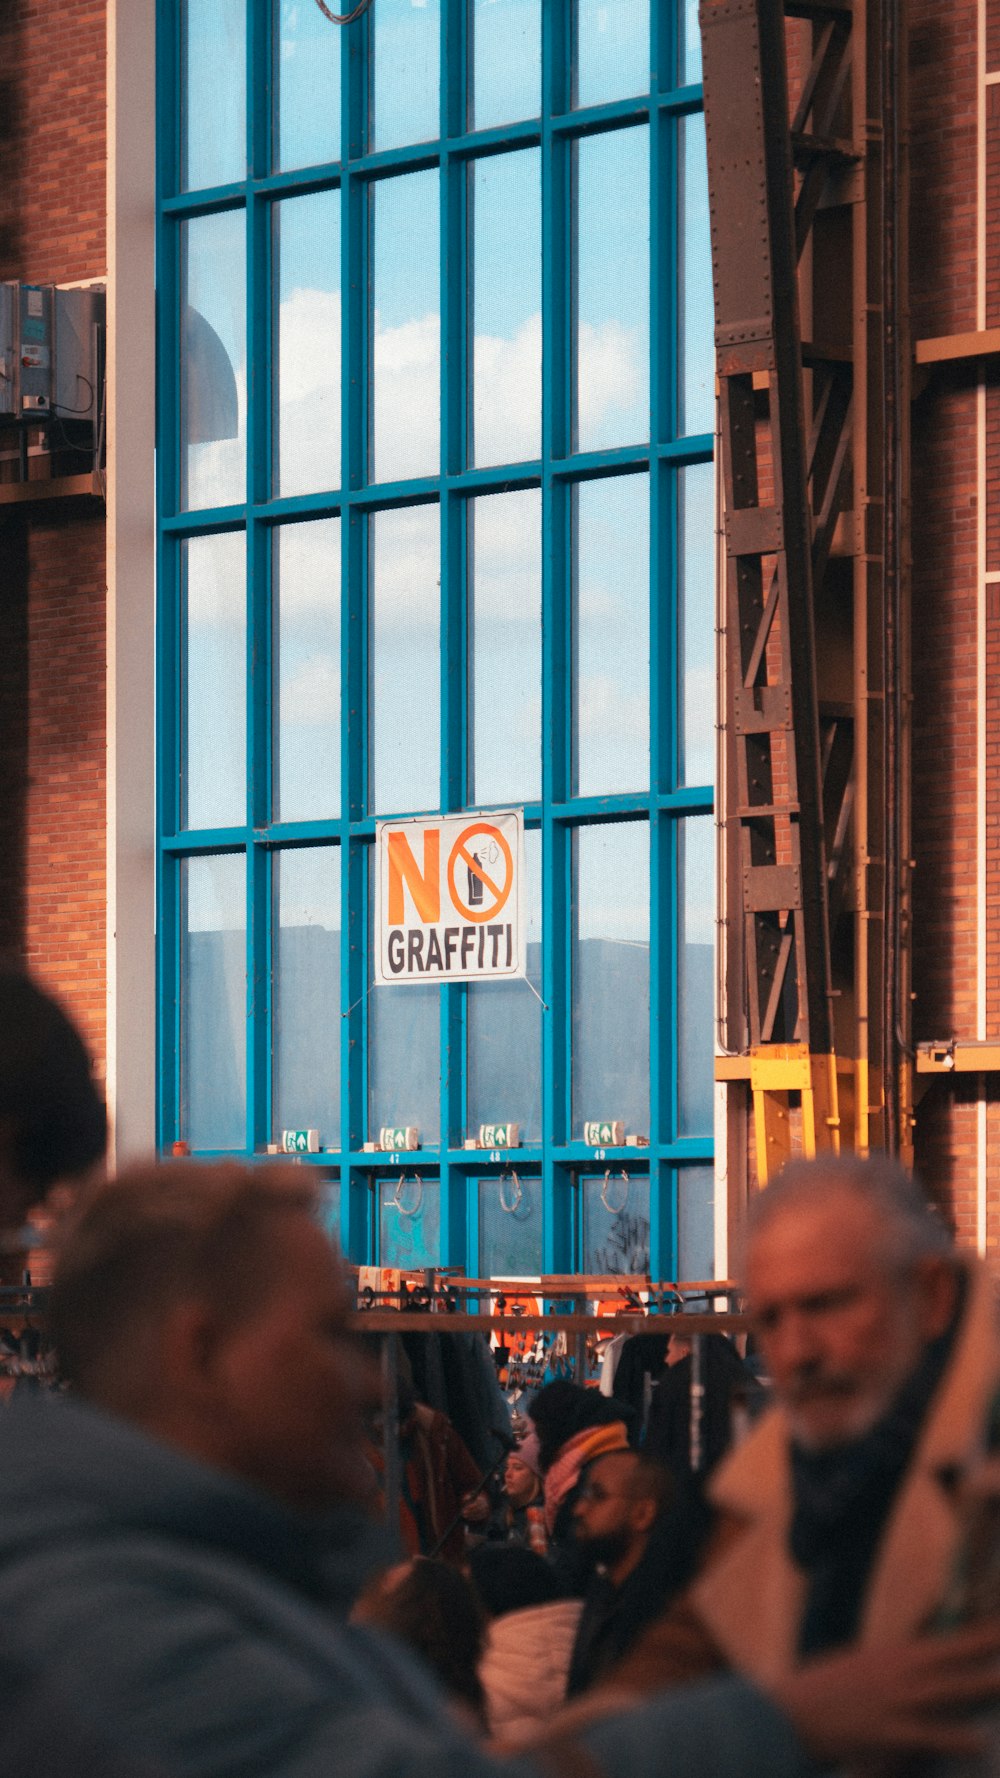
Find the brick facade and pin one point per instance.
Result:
(944, 100)
(52, 555)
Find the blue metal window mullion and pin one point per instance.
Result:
(557, 335)
(355, 1193)
(258, 633)
(454, 272)
(169, 871)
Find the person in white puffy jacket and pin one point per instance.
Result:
(529, 1640)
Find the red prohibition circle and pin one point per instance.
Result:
(459, 851)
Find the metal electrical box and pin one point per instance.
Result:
(51, 352)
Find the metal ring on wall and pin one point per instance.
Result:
(397, 1196)
(614, 1209)
(509, 1209)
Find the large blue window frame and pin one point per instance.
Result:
(560, 1161)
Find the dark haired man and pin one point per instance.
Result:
(622, 1521)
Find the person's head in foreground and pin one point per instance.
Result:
(850, 1278)
(53, 1121)
(206, 1305)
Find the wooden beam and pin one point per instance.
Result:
(948, 348)
(59, 487)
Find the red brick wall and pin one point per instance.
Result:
(943, 99)
(52, 560)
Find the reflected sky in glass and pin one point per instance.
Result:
(409, 1223)
(307, 359)
(611, 975)
(306, 990)
(696, 1223)
(406, 328)
(612, 289)
(696, 976)
(214, 111)
(404, 1053)
(507, 308)
(507, 61)
(405, 661)
(306, 704)
(406, 71)
(696, 343)
(613, 50)
(214, 360)
(505, 1029)
(611, 635)
(510, 1227)
(616, 1224)
(213, 1002)
(215, 665)
(689, 55)
(505, 646)
(696, 579)
(307, 84)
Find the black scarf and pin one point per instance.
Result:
(842, 1500)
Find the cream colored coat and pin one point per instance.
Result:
(524, 1668)
(744, 1609)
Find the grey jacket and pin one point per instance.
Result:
(203, 1629)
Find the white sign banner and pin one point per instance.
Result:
(449, 899)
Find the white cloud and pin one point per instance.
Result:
(310, 697)
(610, 375)
(507, 395)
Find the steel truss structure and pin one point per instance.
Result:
(803, 102)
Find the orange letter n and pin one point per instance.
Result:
(425, 889)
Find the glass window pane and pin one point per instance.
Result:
(696, 606)
(505, 1029)
(306, 709)
(506, 420)
(696, 297)
(695, 1224)
(329, 1205)
(214, 107)
(406, 327)
(696, 976)
(409, 1223)
(214, 1002)
(612, 50)
(507, 61)
(689, 57)
(510, 1226)
(214, 688)
(616, 1223)
(306, 977)
(611, 976)
(505, 647)
(404, 1058)
(214, 360)
(307, 84)
(612, 290)
(406, 66)
(307, 344)
(611, 635)
(404, 660)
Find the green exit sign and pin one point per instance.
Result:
(300, 1142)
(604, 1133)
(499, 1135)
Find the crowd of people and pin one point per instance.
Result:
(198, 1580)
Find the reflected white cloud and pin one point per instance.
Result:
(311, 694)
(507, 394)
